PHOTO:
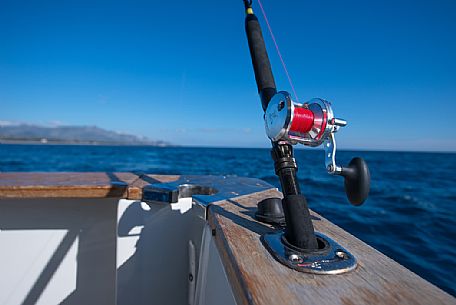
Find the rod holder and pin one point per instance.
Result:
(329, 258)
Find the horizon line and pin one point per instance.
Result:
(231, 147)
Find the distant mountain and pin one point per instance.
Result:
(25, 133)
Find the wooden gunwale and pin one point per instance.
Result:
(76, 185)
(257, 278)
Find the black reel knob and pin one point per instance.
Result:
(357, 181)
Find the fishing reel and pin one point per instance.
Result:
(312, 124)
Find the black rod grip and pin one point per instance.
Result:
(299, 230)
(260, 60)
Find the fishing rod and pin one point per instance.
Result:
(289, 123)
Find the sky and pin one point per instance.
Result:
(180, 71)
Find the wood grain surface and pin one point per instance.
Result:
(76, 185)
(257, 278)
(136, 188)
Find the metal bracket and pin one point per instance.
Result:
(331, 258)
(330, 155)
(203, 189)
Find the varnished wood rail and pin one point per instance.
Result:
(77, 185)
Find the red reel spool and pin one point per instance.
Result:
(303, 120)
(309, 124)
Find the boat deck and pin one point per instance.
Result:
(254, 276)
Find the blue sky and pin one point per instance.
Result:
(180, 70)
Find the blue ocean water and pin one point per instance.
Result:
(409, 216)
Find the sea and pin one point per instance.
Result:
(410, 214)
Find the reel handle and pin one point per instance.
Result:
(356, 174)
(357, 181)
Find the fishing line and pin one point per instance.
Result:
(278, 50)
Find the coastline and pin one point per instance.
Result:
(94, 143)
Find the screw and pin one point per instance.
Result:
(341, 254)
(295, 258)
(281, 105)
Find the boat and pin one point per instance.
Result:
(118, 238)
(144, 238)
